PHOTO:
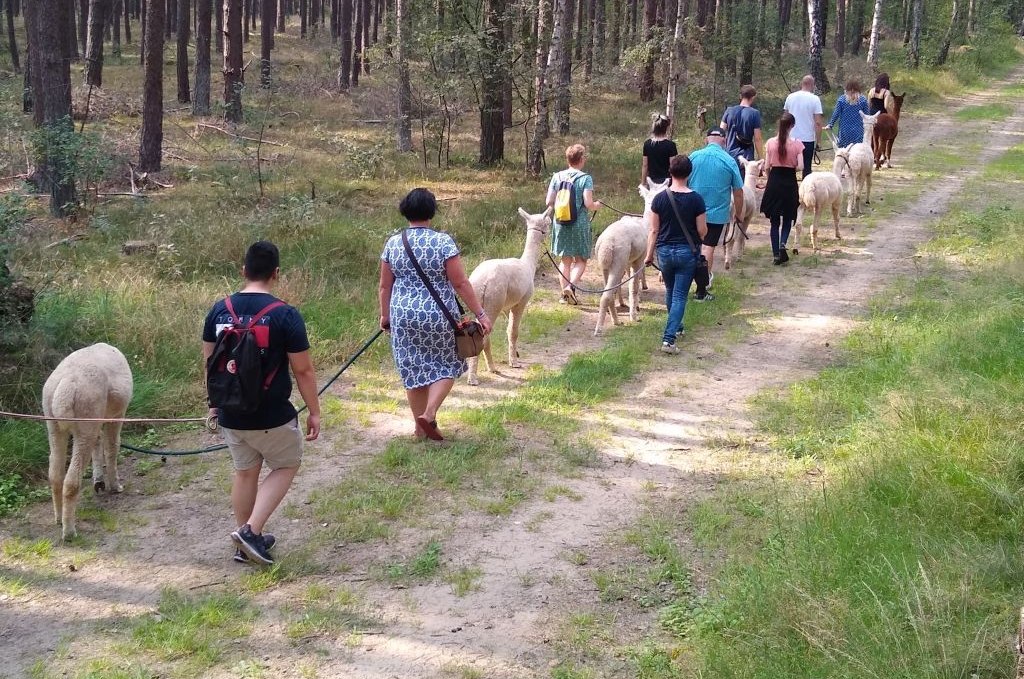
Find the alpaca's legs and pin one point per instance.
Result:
(58, 461)
(798, 229)
(515, 317)
(867, 181)
(634, 290)
(814, 229)
(835, 219)
(888, 151)
(111, 444)
(472, 364)
(83, 446)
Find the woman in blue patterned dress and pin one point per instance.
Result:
(422, 339)
(847, 112)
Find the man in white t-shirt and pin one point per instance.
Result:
(805, 106)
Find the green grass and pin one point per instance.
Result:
(465, 579)
(323, 612)
(900, 560)
(423, 565)
(984, 112)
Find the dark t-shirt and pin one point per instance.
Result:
(658, 153)
(287, 336)
(690, 206)
(740, 123)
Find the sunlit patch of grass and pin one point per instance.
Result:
(24, 551)
(465, 579)
(423, 565)
(996, 111)
(324, 612)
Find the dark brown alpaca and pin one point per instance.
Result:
(886, 129)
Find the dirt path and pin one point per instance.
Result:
(528, 577)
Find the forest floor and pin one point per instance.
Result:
(519, 554)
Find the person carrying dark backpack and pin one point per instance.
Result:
(252, 341)
(742, 126)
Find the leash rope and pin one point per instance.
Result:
(618, 211)
(210, 421)
(593, 292)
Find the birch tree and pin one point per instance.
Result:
(541, 130)
(876, 21)
(816, 43)
(404, 135)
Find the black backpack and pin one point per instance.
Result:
(235, 377)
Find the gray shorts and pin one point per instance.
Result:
(280, 447)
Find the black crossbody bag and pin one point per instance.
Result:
(701, 275)
(469, 335)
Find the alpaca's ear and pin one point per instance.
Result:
(643, 190)
(548, 212)
(524, 214)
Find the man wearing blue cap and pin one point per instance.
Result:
(716, 177)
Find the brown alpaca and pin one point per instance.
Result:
(886, 129)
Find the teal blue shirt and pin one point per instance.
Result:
(715, 175)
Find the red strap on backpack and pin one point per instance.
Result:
(236, 321)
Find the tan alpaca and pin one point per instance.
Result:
(94, 382)
(819, 191)
(506, 286)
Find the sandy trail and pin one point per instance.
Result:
(529, 578)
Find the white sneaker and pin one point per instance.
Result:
(667, 348)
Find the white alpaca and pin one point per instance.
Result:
(620, 251)
(94, 382)
(738, 241)
(860, 160)
(506, 286)
(819, 191)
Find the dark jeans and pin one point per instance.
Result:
(677, 263)
(808, 157)
(786, 224)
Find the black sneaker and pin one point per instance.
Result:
(268, 540)
(776, 260)
(707, 297)
(783, 256)
(254, 546)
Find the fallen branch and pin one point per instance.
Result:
(229, 133)
(122, 193)
(66, 241)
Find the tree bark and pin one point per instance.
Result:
(268, 13)
(12, 41)
(563, 98)
(115, 27)
(876, 21)
(840, 42)
(233, 74)
(856, 40)
(404, 133)
(142, 31)
(972, 17)
(170, 18)
(541, 128)
(581, 16)
(181, 60)
(357, 40)
(345, 45)
(282, 16)
(246, 13)
(914, 51)
(366, 44)
(750, 28)
(816, 44)
(907, 18)
(204, 21)
(951, 32)
(127, 26)
(647, 84)
(84, 8)
(98, 10)
(615, 39)
(785, 12)
(151, 148)
(51, 95)
(588, 52)
(492, 122)
(303, 17)
(66, 14)
(676, 60)
(218, 26)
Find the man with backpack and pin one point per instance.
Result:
(742, 127)
(250, 340)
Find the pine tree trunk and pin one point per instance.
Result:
(676, 60)
(282, 16)
(762, 19)
(541, 128)
(876, 21)
(181, 61)
(357, 41)
(115, 27)
(151, 147)
(268, 14)
(840, 45)
(914, 51)
(127, 26)
(785, 12)
(598, 28)
(563, 97)
(12, 41)
(345, 45)
(580, 9)
(857, 34)
(66, 14)
(142, 31)
(615, 48)
(218, 27)
(366, 44)
(204, 21)
(233, 74)
(816, 44)
(588, 50)
(972, 17)
(98, 10)
(170, 18)
(404, 136)
(303, 18)
(505, 19)
(647, 84)
(51, 95)
(492, 123)
(951, 32)
(376, 21)
(246, 12)
(750, 26)
(84, 8)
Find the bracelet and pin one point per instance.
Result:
(482, 314)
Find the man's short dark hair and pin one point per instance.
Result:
(680, 166)
(419, 206)
(261, 261)
(748, 92)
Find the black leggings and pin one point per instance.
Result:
(785, 223)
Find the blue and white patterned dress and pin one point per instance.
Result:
(422, 339)
(851, 127)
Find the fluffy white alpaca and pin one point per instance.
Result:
(860, 161)
(506, 286)
(738, 241)
(620, 251)
(94, 382)
(819, 191)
